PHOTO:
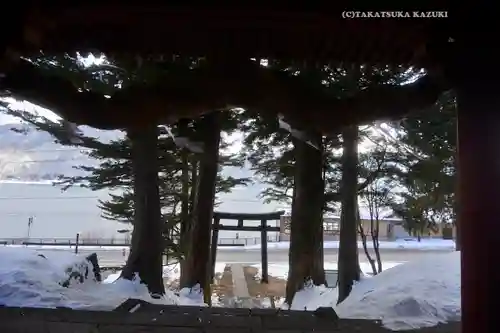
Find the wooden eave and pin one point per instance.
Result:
(313, 36)
(308, 38)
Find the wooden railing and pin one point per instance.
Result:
(190, 319)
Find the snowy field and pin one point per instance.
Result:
(395, 251)
(401, 244)
(280, 270)
(406, 295)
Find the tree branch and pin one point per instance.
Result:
(192, 92)
(385, 102)
(336, 196)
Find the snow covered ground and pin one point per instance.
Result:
(29, 280)
(280, 270)
(406, 295)
(170, 272)
(417, 294)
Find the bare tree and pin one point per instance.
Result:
(374, 209)
(378, 197)
(362, 234)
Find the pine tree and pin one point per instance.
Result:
(344, 83)
(428, 145)
(117, 168)
(273, 157)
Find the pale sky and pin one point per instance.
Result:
(26, 106)
(236, 138)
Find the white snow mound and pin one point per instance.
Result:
(418, 294)
(28, 280)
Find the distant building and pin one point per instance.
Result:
(389, 229)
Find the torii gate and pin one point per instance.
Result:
(463, 60)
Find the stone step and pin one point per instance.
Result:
(240, 287)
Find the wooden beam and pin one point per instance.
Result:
(172, 318)
(245, 228)
(250, 216)
(314, 35)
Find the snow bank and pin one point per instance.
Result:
(171, 272)
(401, 244)
(280, 270)
(313, 297)
(319, 296)
(29, 280)
(418, 294)
(192, 296)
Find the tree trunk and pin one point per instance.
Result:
(185, 216)
(146, 252)
(192, 195)
(306, 229)
(348, 262)
(194, 185)
(376, 243)
(198, 261)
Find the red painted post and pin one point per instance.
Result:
(479, 189)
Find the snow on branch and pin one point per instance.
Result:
(191, 92)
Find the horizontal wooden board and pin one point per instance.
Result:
(186, 319)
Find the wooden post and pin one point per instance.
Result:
(213, 246)
(77, 241)
(263, 250)
(478, 181)
(478, 212)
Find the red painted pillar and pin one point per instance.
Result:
(478, 91)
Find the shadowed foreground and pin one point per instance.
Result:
(188, 320)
